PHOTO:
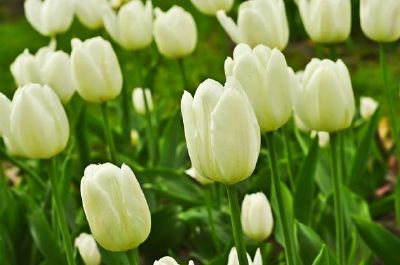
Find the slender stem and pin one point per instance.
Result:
(342, 156)
(80, 134)
(211, 223)
(183, 73)
(108, 133)
(290, 247)
(134, 256)
(236, 225)
(336, 182)
(151, 140)
(62, 221)
(288, 152)
(125, 117)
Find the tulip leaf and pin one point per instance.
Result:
(305, 186)
(383, 243)
(362, 153)
(397, 201)
(324, 257)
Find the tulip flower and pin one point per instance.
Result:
(323, 138)
(257, 221)
(233, 258)
(49, 17)
(325, 101)
(192, 172)
(115, 207)
(259, 22)
(90, 12)
(380, 19)
(175, 32)
(326, 21)
(139, 102)
(368, 107)
(46, 67)
(96, 70)
(38, 124)
(264, 76)
(210, 7)
(88, 249)
(132, 27)
(168, 261)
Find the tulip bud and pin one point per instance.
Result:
(263, 74)
(38, 122)
(210, 7)
(90, 12)
(259, 22)
(168, 261)
(49, 17)
(380, 19)
(175, 32)
(323, 138)
(368, 107)
(192, 172)
(233, 258)
(132, 28)
(138, 100)
(257, 221)
(325, 101)
(221, 130)
(115, 207)
(96, 70)
(326, 21)
(88, 249)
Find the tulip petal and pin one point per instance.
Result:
(229, 26)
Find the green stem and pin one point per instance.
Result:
(236, 225)
(134, 256)
(80, 134)
(62, 221)
(108, 133)
(183, 73)
(214, 237)
(151, 140)
(333, 49)
(290, 247)
(336, 182)
(125, 117)
(289, 157)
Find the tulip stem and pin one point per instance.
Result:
(183, 73)
(62, 221)
(336, 183)
(289, 157)
(108, 133)
(126, 117)
(209, 199)
(290, 247)
(236, 225)
(151, 140)
(134, 256)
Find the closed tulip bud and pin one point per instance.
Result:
(90, 12)
(233, 258)
(96, 70)
(175, 32)
(49, 17)
(132, 27)
(115, 207)
(326, 21)
(259, 22)
(264, 76)
(210, 7)
(256, 216)
(368, 107)
(38, 122)
(380, 19)
(88, 249)
(325, 101)
(139, 102)
(221, 130)
(192, 172)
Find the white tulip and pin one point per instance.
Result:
(90, 12)
(88, 249)
(49, 17)
(210, 7)
(259, 22)
(38, 122)
(325, 101)
(380, 19)
(96, 70)
(192, 172)
(221, 130)
(326, 21)
(115, 207)
(264, 76)
(233, 258)
(138, 100)
(132, 27)
(256, 216)
(168, 261)
(368, 107)
(175, 32)
(323, 138)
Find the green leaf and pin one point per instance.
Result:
(397, 201)
(324, 257)
(361, 158)
(383, 243)
(305, 186)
